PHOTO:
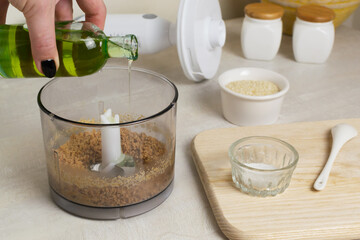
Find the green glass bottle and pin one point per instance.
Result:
(83, 49)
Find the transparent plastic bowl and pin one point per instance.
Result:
(72, 133)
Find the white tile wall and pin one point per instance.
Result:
(354, 20)
(164, 8)
(168, 10)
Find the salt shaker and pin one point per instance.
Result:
(261, 31)
(313, 34)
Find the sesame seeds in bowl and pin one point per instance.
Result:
(252, 96)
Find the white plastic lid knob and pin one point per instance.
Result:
(217, 33)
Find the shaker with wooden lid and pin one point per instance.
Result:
(313, 34)
(261, 31)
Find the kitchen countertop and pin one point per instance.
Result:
(317, 92)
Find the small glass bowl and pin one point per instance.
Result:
(262, 166)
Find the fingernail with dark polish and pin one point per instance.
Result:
(48, 67)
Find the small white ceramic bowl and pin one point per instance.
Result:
(246, 110)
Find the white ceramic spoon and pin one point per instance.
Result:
(341, 133)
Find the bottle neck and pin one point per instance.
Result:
(123, 47)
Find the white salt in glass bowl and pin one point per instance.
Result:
(247, 110)
(262, 166)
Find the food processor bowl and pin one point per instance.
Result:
(76, 141)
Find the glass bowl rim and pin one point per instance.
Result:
(142, 70)
(233, 160)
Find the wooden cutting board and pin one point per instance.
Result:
(298, 213)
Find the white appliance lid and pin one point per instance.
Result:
(201, 35)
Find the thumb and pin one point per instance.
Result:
(40, 18)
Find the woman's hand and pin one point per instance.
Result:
(40, 16)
